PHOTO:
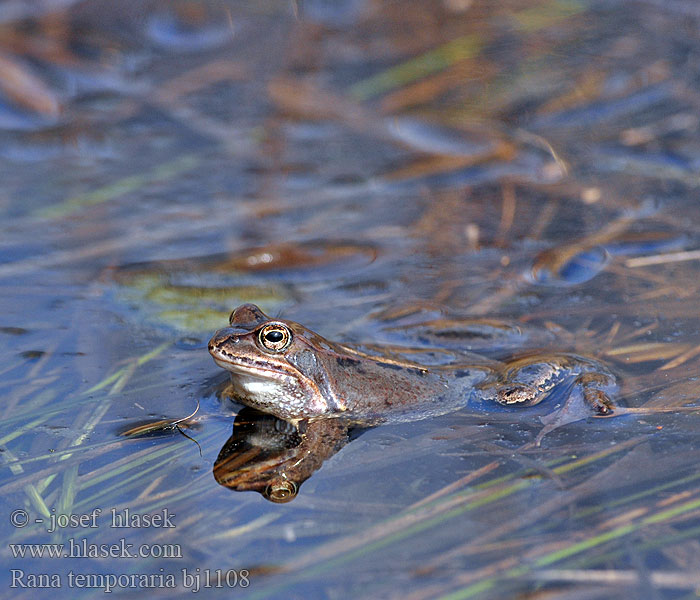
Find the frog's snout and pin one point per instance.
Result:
(222, 339)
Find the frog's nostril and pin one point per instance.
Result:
(220, 342)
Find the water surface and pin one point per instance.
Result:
(362, 168)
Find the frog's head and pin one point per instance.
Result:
(275, 365)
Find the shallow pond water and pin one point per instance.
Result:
(462, 177)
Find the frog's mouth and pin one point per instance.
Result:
(241, 364)
(249, 367)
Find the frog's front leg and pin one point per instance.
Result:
(529, 380)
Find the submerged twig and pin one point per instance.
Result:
(661, 259)
(666, 579)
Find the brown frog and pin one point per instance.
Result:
(282, 368)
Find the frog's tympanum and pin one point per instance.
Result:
(323, 388)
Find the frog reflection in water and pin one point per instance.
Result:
(323, 389)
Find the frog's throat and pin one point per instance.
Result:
(325, 401)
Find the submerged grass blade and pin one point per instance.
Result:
(593, 542)
(546, 14)
(121, 377)
(123, 483)
(235, 532)
(434, 60)
(170, 453)
(30, 490)
(37, 501)
(417, 520)
(70, 485)
(68, 493)
(25, 428)
(135, 461)
(124, 186)
(69, 488)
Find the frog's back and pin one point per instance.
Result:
(372, 390)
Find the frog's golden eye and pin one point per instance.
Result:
(275, 337)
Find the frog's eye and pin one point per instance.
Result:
(275, 337)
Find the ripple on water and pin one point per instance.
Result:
(190, 32)
(197, 294)
(434, 139)
(559, 267)
(572, 264)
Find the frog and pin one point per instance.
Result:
(284, 369)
